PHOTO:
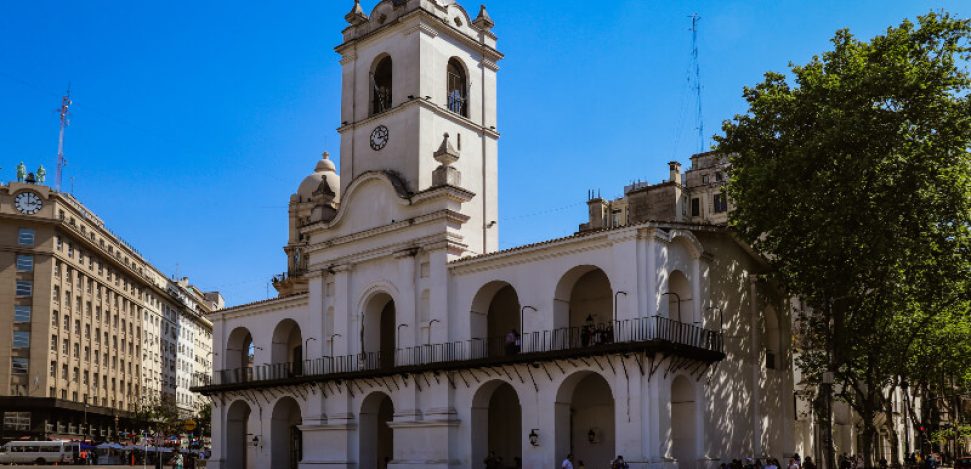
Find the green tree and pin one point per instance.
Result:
(855, 182)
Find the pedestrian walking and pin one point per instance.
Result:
(567, 462)
(618, 463)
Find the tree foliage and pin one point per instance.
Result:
(853, 177)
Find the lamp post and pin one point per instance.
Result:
(332, 336)
(679, 303)
(522, 314)
(433, 321)
(618, 292)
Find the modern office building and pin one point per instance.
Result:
(77, 302)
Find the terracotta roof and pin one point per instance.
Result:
(582, 234)
(269, 300)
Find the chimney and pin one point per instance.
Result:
(675, 169)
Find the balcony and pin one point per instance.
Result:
(650, 335)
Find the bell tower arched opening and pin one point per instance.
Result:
(381, 85)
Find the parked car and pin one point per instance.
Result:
(38, 452)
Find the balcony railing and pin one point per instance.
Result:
(655, 332)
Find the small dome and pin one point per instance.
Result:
(323, 171)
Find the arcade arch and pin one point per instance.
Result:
(684, 431)
(497, 423)
(237, 429)
(287, 344)
(584, 419)
(286, 439)
(378, 330)
(583, 299)
(495, 312)
(376, 438)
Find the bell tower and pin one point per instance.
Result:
(413, 71)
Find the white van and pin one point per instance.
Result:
(39, 452)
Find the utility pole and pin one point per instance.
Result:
(696, 69)
(64, 113)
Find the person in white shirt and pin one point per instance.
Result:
(568, 462)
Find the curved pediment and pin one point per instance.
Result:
(373, 199)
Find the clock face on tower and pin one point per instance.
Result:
(28, 202)
(379, 138)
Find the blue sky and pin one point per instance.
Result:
(194, 121)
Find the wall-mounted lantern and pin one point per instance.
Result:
(534, 437)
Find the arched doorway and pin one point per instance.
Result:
(496, 314)
(237, 431)
(378, 332)
(286, 441)
(585, 419)
(583, 308)
(684, 434)
(376, 438)
(286, 353)
(679, 300)
(239, 356)
(496, 424)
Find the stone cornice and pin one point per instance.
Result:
(261, 307)
(425, 104)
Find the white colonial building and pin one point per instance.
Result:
(403, 338)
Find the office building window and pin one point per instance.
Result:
(25, 263)
(53, 343)
(21, 339)
(19, 365)
(21, 313)
(53, 369)
(25, 237)
(25, 287)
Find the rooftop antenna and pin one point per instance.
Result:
(64, 112)
(695, 18)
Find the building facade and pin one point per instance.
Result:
(403, 338)
(75, 299)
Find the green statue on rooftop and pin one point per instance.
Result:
(21, 172)
(41, 174)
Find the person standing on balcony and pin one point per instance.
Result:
(512, 342)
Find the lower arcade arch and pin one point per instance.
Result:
(237, 431)
(584, 420)
(376, 437)
(684, 428)
(496, 428)
(286, 439)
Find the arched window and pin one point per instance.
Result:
(458, 88)
(381, 86)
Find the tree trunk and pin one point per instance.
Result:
(892, 430)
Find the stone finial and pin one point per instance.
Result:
(445, 174)
(483, 21)
(446, 154)
(356, 16)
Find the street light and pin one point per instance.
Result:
(615, 301)
(679, 303)
(433, 321)
(397, 335)
(305, 344)
(332, 344)
(522, 314)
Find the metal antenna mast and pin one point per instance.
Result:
(697, 79)
(64, 112)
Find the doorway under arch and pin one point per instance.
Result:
(496, 313)
(496, 424)
(239, 356)
(378, 334)
(583, 311)
(286, 440)
(237, 431)
(584, 416)
(684, 431)
(287, 347)
(376, 438)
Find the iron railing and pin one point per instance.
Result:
(587, 339)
